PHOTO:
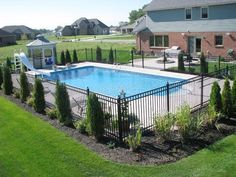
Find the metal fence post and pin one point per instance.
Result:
(115, 55)
(119, 119)
(91, 54)
(219, 62)
(227, 70)
(202, 80)
(168, 96)
(86, 54)
(142, 59)
(132, 57)
(164, 60)
(88, 92)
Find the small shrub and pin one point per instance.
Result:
(75, 56)
(211, 116)
(81, 126)
(215, 97)
(163, 125)
(95, 117)
(8, 63)
(68, 57)
(52, 113)
(16, 94)
(111, 57)
(231, 53)
(134, 141)
(7, 81)
(226, 99)
(38, 96)
(24, 87)
(181, 62)
(98, 54)
(63, 58)
(30, 101)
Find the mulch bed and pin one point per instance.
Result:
(152, 152)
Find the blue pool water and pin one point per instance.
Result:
(110, 81)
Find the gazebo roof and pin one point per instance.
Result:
(39, 42)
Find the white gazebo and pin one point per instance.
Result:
(42, 53)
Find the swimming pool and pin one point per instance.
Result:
(110, 82)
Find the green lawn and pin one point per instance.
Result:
(30, 147)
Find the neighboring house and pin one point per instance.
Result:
(194, 25)
(21, 31)
(7, 38)
(128, 28)
(114, 29)
(84, 26)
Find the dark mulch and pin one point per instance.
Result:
(153, 151)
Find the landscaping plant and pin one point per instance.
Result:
(215, 97)
(24, 87)
(38, 96)
(181, 62)
(95, 117)
(134, 141)
(63, 104)
(98, 54)
(226, 99)
(111, 57)
(7, 81)
(8, 63)
(52, 113)
(81, 126)
(63, 58)
(75, 56)
(68, 57)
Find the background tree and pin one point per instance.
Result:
(203, 64)
(215, 97)
(1, 77)
(7, 81)
(95, 117)
(38, 96)
(63, 104)
(135, 14)
(24, 87)
(75, 56)
(111, 56)
(68, 57)
(98, 54)
(63, 58)
(181, 62)
(226, 99)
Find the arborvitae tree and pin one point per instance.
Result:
(7, 81)
(38, 96)
(75, 57)
(63, 58)
(24, 87)
(8, 63)
(95, 117)
(63, 104)
(98, 54)
(68, 58)
(215, 97)
(181, 62)
(1, 77)
(203, 64)
(226, 99)
(234, 94)
(111, 56)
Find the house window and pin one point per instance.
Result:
(188, 14)
(159, 41)
(219, 40)
(204, 13)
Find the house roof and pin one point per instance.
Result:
(18, 29)
(137, 23)
(226, 25)
(40, 41)
(77, 22)
(177, 4)
(98, 22)
(5, 33)
(89, 21)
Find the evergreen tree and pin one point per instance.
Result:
(63, 104)
(1, 77)
(226, 99)
(38, 96)
(234, 94)
(75, 57)
(7, 81)
(8, 63)
(181, 62)
(95, 117)
(68, 58)
(111, 56)
(63, 58)
(24, 87)
(215, 97)
(98, 54)
(203, 64)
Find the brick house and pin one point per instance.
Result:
(194, 25)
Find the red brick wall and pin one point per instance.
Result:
(208, 41)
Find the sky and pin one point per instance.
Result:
(49, 14)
